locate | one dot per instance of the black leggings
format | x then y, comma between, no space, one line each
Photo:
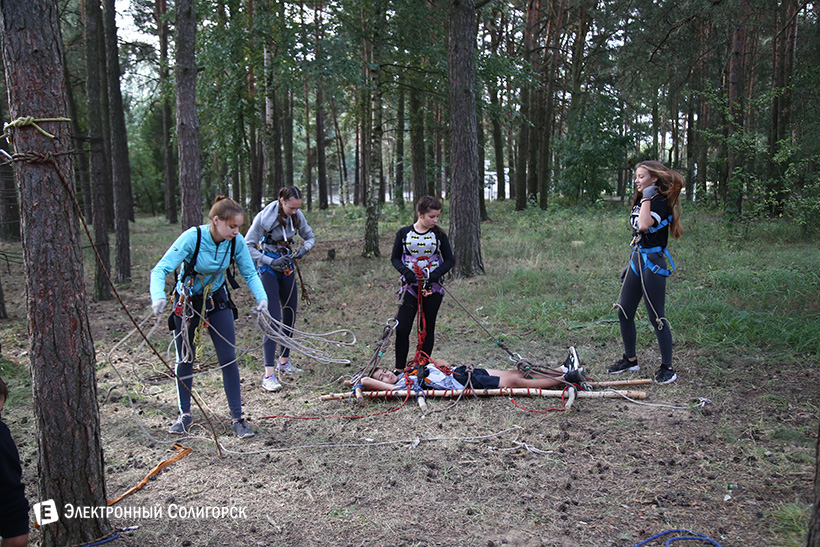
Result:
655,294
407,321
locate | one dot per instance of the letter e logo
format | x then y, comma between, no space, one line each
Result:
46,512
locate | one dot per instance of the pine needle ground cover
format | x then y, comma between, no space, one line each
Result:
728,451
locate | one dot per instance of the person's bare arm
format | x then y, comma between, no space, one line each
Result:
371,384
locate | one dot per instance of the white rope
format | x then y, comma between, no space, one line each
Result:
659,405
303,342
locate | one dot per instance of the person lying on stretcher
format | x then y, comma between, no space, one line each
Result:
438,374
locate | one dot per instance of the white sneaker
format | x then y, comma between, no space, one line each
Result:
571,362
270,383
288,368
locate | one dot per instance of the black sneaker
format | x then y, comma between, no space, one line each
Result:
571,362
665,375
624,365
183,424
241,429
575,376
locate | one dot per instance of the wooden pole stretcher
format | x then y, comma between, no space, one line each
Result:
504,392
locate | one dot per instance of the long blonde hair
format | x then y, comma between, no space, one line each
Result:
670,183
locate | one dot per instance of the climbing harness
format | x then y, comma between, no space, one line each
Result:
284,248
640,254
644,251
187,304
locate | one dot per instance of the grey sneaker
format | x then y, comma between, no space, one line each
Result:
665,375
624,365
270,383
241,429
183,424
571,362
288,368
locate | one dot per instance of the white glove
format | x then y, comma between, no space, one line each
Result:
158,305
262,306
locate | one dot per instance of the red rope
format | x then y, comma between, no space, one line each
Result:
420,358
562,409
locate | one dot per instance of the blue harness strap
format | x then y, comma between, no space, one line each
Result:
645,251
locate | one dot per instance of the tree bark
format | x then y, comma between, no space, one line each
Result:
418,156
736,104
190,171
813,539
398,194
321,155
9,206
465,222
168,170
371,131
120,164
99,179
61,349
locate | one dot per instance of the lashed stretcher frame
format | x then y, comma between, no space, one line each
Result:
570,393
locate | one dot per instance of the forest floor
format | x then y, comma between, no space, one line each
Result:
727,451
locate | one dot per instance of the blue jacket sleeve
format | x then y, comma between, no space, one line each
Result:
247,269
182,249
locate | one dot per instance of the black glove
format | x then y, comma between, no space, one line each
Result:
650,191
279,263
409,277
434,277
301,252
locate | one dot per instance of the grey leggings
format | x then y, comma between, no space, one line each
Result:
654,292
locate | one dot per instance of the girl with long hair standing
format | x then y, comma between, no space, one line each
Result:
270,240
655,214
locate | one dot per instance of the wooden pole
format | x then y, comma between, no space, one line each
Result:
638,382
505,391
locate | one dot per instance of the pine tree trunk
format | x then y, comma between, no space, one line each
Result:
168,179
465,222
321,156
9,207
398,194
190,171
120,165
418,156
97,165
813,539
61,349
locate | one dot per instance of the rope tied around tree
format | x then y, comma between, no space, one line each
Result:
24,121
